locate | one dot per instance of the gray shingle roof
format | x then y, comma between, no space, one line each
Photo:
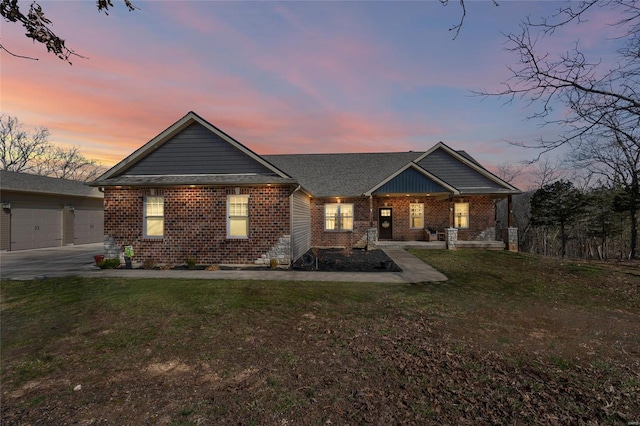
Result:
24,182
351,175
345,175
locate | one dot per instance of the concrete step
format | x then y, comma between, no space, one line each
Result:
485,245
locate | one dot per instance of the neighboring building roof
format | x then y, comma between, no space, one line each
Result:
24,182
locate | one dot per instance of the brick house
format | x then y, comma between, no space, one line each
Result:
195,192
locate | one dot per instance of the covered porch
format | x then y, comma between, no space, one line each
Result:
415,208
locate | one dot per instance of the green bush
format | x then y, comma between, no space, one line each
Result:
112,263
191,262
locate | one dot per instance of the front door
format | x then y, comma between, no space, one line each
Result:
385,223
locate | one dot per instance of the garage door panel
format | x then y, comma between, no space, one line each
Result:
89,226
35,228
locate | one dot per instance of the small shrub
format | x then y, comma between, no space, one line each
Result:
190,262
273,263
112,263
149,264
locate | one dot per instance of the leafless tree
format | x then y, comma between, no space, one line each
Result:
20,148
614,157
546,171
68,163
509,171
31,152
599,99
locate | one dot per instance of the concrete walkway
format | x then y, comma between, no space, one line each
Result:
78,260
414,270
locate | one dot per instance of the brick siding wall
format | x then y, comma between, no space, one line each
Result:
195,223
481,219
436,216
322,238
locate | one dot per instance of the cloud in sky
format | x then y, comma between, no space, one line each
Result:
281,77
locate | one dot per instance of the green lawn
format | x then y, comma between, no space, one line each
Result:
510,338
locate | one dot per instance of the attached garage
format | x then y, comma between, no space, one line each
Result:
39,211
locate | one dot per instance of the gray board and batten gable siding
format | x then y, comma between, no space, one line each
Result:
410,181
197,150
457,174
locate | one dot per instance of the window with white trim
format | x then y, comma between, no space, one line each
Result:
338,217
238,216
461,215
416,215
153,216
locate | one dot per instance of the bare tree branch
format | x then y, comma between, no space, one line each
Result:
16,55
38,26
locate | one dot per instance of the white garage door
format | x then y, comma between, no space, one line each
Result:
89,226
35,228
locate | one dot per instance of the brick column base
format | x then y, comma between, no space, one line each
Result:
111,249
452,238
512,239
372,238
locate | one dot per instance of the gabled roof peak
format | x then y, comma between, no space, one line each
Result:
206,135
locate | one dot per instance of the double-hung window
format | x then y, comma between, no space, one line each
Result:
338,217
154,216
416,215
238,216
461,215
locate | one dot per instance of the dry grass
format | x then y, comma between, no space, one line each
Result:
509,339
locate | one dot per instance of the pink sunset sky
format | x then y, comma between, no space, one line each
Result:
281,77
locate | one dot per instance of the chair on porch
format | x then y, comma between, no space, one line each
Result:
432,234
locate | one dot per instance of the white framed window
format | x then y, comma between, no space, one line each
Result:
153,216
338,217
416,215
461,215
238,216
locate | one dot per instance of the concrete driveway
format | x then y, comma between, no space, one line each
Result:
48,262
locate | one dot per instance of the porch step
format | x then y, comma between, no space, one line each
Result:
486,245
410,244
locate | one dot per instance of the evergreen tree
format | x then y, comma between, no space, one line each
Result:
557,204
